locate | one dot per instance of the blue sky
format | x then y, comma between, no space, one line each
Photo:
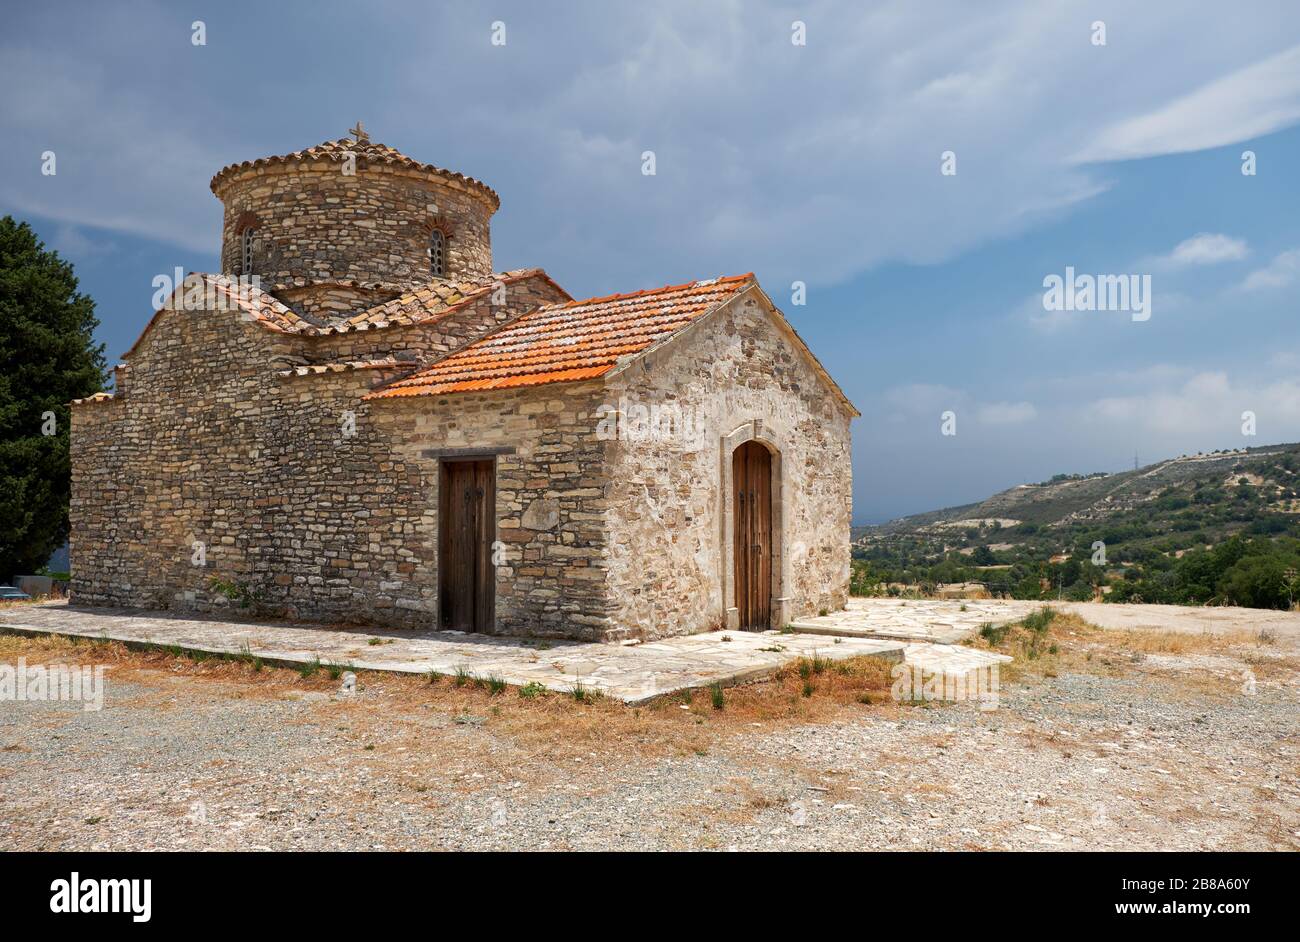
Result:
817,163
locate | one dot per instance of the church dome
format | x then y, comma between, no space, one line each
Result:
351,222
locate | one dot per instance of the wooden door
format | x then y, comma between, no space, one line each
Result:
751,474
466,529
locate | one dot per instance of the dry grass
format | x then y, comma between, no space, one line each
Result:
115,655
1041,651
24,603
549,726
1180,642
1069,642
741,803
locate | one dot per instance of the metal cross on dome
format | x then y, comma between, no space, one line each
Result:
359,132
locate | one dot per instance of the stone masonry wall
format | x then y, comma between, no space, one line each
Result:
666,505
316,226
205,442
550,503
601,537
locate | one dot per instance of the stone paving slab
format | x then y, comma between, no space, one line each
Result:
631,673
939,620
951,659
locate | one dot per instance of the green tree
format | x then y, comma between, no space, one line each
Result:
47,358
1257,582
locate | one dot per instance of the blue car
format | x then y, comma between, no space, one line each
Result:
9,594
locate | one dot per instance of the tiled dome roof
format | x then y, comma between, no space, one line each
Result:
368,153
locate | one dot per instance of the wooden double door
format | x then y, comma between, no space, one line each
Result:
466,531
751,476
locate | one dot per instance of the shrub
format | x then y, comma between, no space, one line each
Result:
1039,621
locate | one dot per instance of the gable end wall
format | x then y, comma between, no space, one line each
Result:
729,375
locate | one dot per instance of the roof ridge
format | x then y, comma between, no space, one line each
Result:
480,287
479,284
244,295
722,279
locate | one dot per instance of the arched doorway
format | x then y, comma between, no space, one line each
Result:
751,476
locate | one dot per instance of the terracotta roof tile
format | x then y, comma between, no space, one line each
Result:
253,303
344,366
431,301
576,340
427,303
367,153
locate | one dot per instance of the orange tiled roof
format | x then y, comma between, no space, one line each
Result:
432,301
426,303
576,340
367,153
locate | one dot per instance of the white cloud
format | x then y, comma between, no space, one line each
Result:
1207,406
923,401
928,401
1006,413
1248,102
1205,248
1280,272
1032,311
1164,301
1094,420
71,241
813,163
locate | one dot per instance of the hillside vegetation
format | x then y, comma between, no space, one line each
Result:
1217,528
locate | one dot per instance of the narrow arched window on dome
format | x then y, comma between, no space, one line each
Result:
437,253
246,251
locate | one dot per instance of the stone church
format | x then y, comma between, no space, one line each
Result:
360,421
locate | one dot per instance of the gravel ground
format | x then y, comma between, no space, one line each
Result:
1118,750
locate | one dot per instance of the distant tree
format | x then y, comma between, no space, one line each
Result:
1257,582
1080,591
47,358
983,556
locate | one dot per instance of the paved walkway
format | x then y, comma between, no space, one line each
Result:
941,621
632,673
951,659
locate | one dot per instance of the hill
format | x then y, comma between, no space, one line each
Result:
1039,540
